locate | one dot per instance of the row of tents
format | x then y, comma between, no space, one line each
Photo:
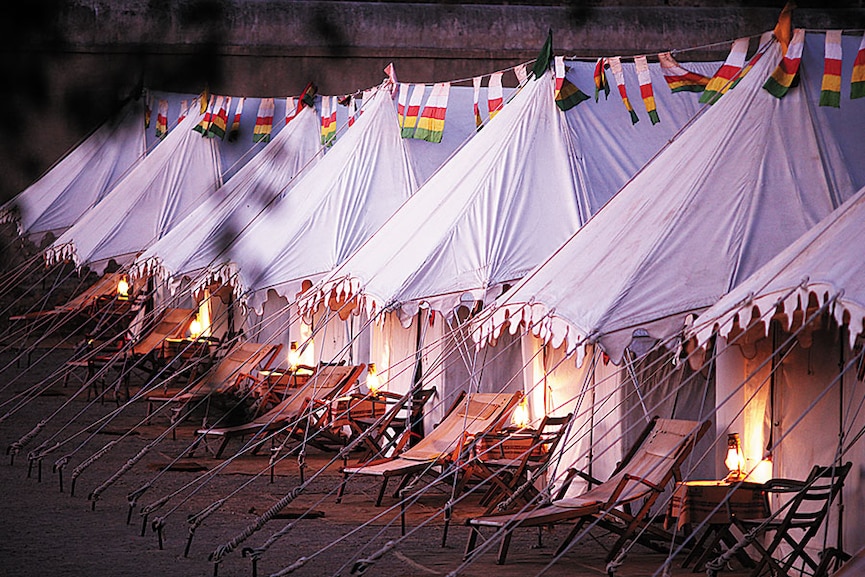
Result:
704,268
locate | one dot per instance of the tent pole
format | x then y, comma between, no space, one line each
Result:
842,340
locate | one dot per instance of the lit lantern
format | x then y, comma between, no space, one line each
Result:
195,328
521,414
735,461
372,380
293,356
123,289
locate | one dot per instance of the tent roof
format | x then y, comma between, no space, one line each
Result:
329,210
202,237
156,194
82,178
744,180
825,262
504,201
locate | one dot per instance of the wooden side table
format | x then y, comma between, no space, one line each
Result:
715,503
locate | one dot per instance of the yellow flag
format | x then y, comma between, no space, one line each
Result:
784,28
203,100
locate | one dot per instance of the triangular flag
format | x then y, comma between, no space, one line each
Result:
567,94
542,62
784,28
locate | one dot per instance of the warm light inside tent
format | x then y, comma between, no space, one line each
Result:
372,380
123,289
195,328
293,356
521,414
762,472
735,461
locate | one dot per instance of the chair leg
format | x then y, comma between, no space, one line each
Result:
472,541
341,491
503,547
381,491
570,537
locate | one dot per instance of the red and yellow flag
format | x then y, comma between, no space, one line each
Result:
412,111
619,78
431,125
785,74
263,121
476,85
328,120
601,79
679,79
219,119
727,73
857,79
641,63
830,89
204,123
234,132
147,112
162,119
567,95
495,95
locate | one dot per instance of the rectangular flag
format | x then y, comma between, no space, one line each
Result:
204,124
600,78
785,74
726,74
352,110
641,63
521,73
830,89
764,39
219,119
494,94
162,119
328,120
619,77
476,84
291,109
234,132
431,125
679,79
567,94
263,121
401,100
857,79
412,111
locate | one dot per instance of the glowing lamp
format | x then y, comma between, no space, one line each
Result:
123,289
195,328
521,414
293,356
372,380
735,461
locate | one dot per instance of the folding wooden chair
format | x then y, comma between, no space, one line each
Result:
806,511
644,472
328,382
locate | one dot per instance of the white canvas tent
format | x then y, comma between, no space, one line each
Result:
146,203
202,237
740,184
796,409
82,178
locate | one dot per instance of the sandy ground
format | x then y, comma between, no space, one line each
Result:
48,532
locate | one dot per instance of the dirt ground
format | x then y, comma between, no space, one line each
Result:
46,531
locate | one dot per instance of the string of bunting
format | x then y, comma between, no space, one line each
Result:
424,119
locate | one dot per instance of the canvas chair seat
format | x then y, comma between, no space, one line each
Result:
645,471
329,382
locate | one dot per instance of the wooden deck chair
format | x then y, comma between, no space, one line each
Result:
644,472
806,509
387,434
510,469
235,370
327,383
470,417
